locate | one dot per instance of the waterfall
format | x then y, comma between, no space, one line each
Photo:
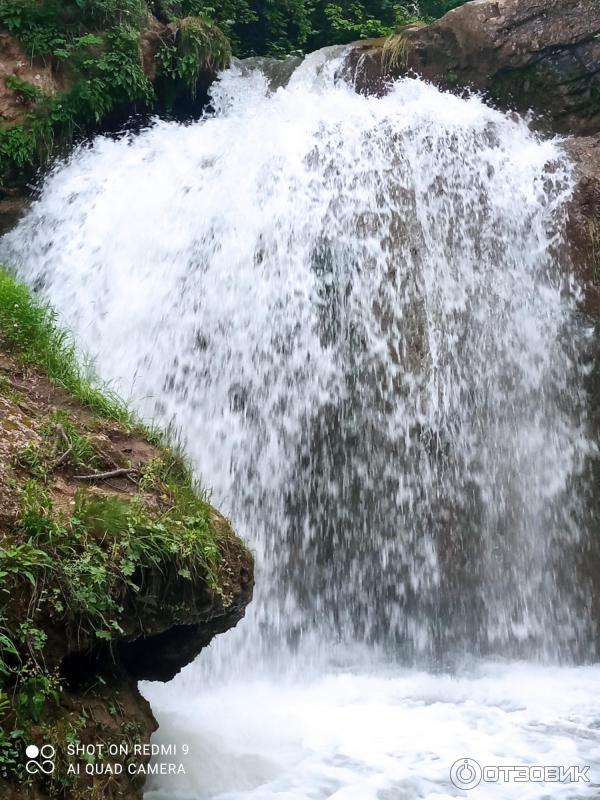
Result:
352,311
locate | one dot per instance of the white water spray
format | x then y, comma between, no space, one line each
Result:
351,308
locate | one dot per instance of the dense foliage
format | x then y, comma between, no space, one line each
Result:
280,27
94,49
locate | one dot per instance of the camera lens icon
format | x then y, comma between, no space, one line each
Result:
41,759
465,773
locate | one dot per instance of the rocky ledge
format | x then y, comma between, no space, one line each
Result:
113,566
540,55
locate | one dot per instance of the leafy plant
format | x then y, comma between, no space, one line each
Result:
201,47
23,560
104,70
17,150
28,92
36,689
12,744
8,652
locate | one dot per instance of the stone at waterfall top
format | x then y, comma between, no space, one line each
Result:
523,54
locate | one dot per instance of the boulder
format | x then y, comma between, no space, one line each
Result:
542,55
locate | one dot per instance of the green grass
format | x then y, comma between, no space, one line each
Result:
166,520
30,328
95,570
89,558
177,528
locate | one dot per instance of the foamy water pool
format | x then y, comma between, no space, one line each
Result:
390,735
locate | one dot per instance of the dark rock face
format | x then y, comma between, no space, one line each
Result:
542,55
13,204
15,63
173,619
583,227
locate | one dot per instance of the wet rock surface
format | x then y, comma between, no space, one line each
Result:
583,228
523,54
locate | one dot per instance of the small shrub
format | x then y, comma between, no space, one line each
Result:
28,92
395,50
201,47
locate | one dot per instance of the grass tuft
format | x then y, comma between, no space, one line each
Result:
395,50
200,47
30,328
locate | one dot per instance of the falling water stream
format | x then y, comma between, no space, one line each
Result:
351,309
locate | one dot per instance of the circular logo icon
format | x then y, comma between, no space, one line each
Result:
465,773
46,753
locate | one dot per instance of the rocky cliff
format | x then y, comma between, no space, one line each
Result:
583,230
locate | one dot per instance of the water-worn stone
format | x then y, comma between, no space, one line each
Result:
542,55
583,227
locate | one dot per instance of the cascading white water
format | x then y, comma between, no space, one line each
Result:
351,309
